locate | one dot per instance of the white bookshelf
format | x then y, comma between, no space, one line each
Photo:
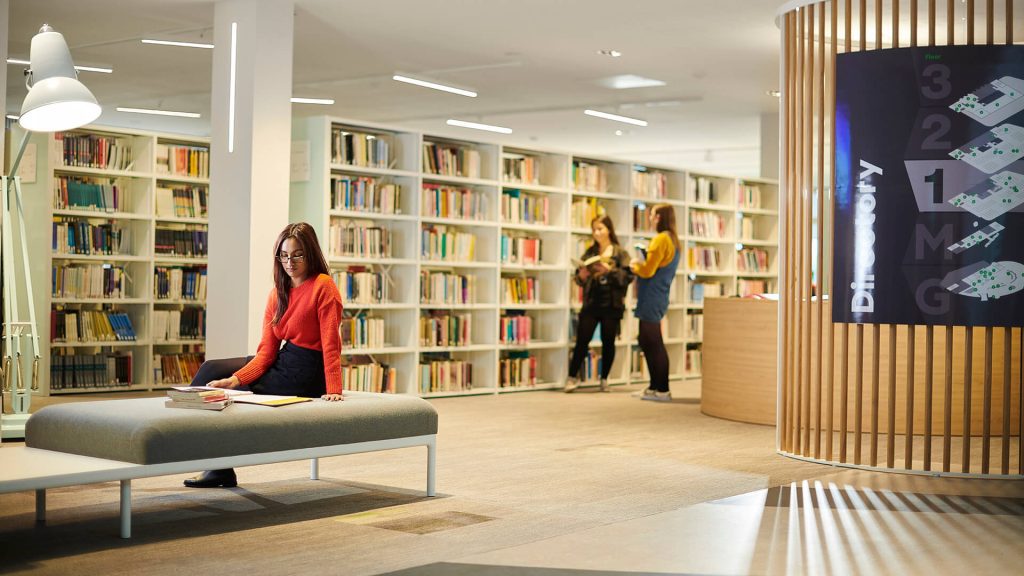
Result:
533,177
152,239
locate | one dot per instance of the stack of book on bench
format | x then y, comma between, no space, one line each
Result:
200,397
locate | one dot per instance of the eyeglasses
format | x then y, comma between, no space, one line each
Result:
284,258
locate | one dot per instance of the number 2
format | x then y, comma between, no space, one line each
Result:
941,126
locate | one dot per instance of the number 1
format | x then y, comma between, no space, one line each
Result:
935,179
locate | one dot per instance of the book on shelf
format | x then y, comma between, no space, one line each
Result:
106,152
183,160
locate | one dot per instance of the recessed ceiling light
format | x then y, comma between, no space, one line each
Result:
478,126
774,93
21,62
612,53
619,132
434,85
327,101
615,117
158,112
175,43
627,81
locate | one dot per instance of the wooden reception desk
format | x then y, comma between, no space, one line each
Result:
740,346
740,356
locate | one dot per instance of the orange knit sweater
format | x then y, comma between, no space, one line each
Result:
311,321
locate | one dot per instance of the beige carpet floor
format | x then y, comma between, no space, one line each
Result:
512,469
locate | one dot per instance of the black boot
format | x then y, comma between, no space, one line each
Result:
213,479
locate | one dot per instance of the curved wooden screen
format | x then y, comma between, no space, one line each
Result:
937,400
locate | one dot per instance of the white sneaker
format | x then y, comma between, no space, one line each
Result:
571,385
604,385
656,396
643,393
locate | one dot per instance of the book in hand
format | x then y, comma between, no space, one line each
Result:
270,399
605,259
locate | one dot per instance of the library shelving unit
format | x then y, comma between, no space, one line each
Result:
453,255
731,229
119,249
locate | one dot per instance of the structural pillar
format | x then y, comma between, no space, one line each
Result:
770,145
250,153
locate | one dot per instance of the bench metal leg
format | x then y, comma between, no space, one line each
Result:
314,469
40,506
126,509
431,461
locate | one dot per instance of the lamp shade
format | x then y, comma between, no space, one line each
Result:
56,100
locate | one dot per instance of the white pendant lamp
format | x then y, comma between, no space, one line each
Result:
56,100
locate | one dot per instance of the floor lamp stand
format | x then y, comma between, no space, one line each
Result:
20,365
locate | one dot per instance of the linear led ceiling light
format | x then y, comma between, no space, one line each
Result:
434,85
175,43
79,68
327,101
478,126
159,112
615,117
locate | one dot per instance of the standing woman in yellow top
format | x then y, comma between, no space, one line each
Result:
655,275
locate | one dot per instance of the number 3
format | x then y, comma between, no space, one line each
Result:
939,75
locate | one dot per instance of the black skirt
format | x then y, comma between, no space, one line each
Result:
297,371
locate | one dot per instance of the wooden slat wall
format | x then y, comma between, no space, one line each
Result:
979,398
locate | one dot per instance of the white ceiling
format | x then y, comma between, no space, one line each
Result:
534,64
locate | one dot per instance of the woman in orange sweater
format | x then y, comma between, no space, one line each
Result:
303,311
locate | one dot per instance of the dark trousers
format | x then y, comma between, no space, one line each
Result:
655,354
610,321
297,371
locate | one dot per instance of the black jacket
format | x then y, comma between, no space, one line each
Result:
606,292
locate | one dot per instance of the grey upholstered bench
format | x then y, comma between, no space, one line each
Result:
89,442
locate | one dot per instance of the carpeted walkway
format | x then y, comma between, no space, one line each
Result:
512,469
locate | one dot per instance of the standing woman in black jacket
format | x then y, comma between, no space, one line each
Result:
604,283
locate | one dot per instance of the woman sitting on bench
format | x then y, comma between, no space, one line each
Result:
303,311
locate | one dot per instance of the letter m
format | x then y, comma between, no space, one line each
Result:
937,242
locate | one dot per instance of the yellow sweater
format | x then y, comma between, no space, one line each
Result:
660,253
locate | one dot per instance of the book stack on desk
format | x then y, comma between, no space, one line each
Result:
198,398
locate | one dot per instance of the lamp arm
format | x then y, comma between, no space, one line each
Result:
21,152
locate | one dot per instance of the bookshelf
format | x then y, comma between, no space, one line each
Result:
475,294
119,249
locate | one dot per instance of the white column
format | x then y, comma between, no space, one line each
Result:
250,152
770,145
4,18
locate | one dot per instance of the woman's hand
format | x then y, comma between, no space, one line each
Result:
583,273
599,269
332,397
232,382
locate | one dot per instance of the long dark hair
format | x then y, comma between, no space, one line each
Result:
667,222
607,221
305,235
